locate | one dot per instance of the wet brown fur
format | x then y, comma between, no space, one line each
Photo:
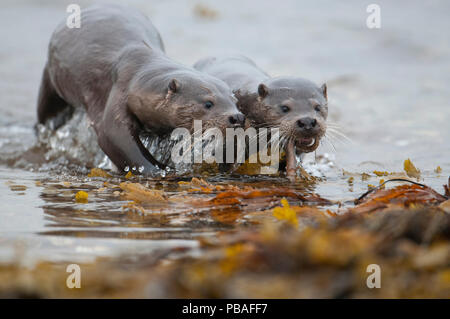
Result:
115,67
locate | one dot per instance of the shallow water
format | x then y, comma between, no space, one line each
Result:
388,91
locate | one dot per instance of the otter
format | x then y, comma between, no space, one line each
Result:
116,68
296,105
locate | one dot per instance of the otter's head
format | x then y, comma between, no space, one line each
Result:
165,104
296,106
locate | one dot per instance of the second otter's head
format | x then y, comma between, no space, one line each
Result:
165,103
298,107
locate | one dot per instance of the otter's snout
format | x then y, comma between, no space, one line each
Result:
236,119
307,126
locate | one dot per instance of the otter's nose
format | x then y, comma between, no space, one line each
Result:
307,123
236,119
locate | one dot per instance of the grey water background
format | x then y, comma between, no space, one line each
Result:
388,87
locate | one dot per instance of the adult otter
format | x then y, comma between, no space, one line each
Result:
115,67
295,105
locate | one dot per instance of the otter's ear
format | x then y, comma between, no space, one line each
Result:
174,86
323,88
263,90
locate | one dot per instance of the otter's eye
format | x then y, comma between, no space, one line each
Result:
285,108
317,108
209,104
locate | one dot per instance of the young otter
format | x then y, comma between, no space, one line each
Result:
115,67
295,105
